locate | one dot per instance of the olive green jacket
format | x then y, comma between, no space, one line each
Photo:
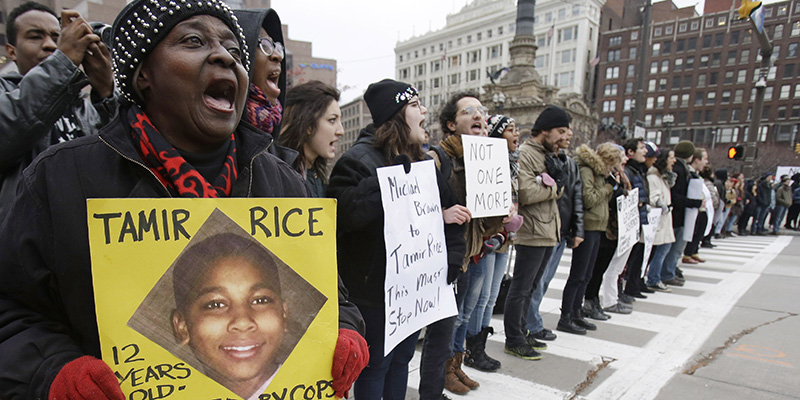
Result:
538,205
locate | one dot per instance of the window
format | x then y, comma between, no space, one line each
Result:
767,12
734,37
689,62
726,97
455,61
548,17
704,61
782,10
609,106
628,87
687,81
695,25
631,70
788,71
742,76
696,116
542,60
682,27
576,9
715,58
712,78
454,78
404,73
701,80
458,41
709,116
738,95
726,135
719,39
568,34
420,85
474,57
681,46
489,33
678,64
662,84
660,102
634,35
666,47
699,97
668,30
656,49
707,41
562,13
610,90
744,57
728,77
495,51
796,27
419,70
664,66
650,103
676,82
731,58
710,23
566,79
778,34
711,98
614,40
632,53
567,56
615,55
627,105
648,120
685,100
791,50
785,89
736,115
436,82
673,100
473,75
499,30
416,53
691,44
436,66
651,85
654,67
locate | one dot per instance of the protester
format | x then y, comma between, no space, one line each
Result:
697,166
661,179
783,202
542,178
734,190
493,262
636,170
311,126
684,151
722,184
463,114
763,203
183,100
43,104
749,207
570,211
394,137
715,202
794,210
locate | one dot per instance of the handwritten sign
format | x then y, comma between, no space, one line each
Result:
649,233
416,290
784,170
695,192
488,176
628,221
178,281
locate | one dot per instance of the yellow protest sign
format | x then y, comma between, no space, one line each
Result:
216,298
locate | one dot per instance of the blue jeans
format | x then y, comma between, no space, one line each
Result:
721,221
385,377
780,213
673,256
534,320
476,274
732,218
656,263
482,314
760,218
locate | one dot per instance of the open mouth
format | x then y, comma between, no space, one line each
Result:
477,128
220,95
272,80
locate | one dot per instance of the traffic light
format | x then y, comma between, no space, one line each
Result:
736,152
747,8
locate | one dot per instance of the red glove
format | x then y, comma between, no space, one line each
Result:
349,358
86,378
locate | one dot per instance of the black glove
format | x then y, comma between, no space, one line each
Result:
556,169
404,160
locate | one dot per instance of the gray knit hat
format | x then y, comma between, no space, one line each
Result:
142,24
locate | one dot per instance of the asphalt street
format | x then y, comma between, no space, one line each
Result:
730,333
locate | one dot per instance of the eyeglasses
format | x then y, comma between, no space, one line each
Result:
471,110
268,47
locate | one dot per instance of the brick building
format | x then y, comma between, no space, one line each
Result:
699,83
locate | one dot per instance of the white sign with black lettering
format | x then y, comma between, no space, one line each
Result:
649,234
416,292
628,221
488,176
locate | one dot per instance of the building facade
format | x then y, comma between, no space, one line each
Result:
355,116
302,66
475,43
700,77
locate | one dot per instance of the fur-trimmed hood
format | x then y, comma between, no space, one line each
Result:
585,156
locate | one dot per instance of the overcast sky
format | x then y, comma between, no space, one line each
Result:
361,34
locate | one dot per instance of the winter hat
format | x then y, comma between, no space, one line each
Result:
251,22
498,124
784,178
386,98
721,174
652,150
551,117
684,149
142,24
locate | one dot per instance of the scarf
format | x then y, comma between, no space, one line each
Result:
513,161
260,112
171,168
453,146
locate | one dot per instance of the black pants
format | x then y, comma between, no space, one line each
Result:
699,232
791,219
435,352
583,260
604,256
528,269
744,219
634,270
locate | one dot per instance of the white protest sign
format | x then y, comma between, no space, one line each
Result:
416,292
649,234
628,221
694,192
784,170
488,176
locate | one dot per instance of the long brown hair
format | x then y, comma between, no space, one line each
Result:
305,105
393,138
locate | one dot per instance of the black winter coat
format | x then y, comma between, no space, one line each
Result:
47,310
679,201
570,205
360,237
764,194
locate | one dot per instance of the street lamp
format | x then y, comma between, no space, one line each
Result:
667,121
499,100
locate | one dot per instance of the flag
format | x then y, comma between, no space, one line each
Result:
550,31
595,61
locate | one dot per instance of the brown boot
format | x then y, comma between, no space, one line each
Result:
451,381
463,376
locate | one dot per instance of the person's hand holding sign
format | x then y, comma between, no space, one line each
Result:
85,378
456,214
349,358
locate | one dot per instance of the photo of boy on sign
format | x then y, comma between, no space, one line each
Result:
229,308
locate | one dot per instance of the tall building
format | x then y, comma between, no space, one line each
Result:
355,116
302,66
700,77
475,42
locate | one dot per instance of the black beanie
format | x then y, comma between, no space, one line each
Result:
497,125
386,98
142,24
551,117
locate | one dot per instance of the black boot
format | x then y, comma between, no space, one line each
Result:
567,324
577,318
485,333
591,309
476,355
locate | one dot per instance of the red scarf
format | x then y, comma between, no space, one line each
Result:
260,112
171,168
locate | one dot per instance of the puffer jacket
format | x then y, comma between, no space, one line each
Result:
660,196
31,105
47,309
570,205
597,191
637,175
538,205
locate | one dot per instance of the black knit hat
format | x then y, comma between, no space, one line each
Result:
497,124
684,149
142,24
551,117
386,98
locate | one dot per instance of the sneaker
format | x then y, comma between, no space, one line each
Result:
619,308
660,287
544,334
626,298
524,352
647,289
535,344
672,282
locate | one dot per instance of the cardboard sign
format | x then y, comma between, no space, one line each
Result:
649,234
216,298
628,221
416,290
488,176
694,192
